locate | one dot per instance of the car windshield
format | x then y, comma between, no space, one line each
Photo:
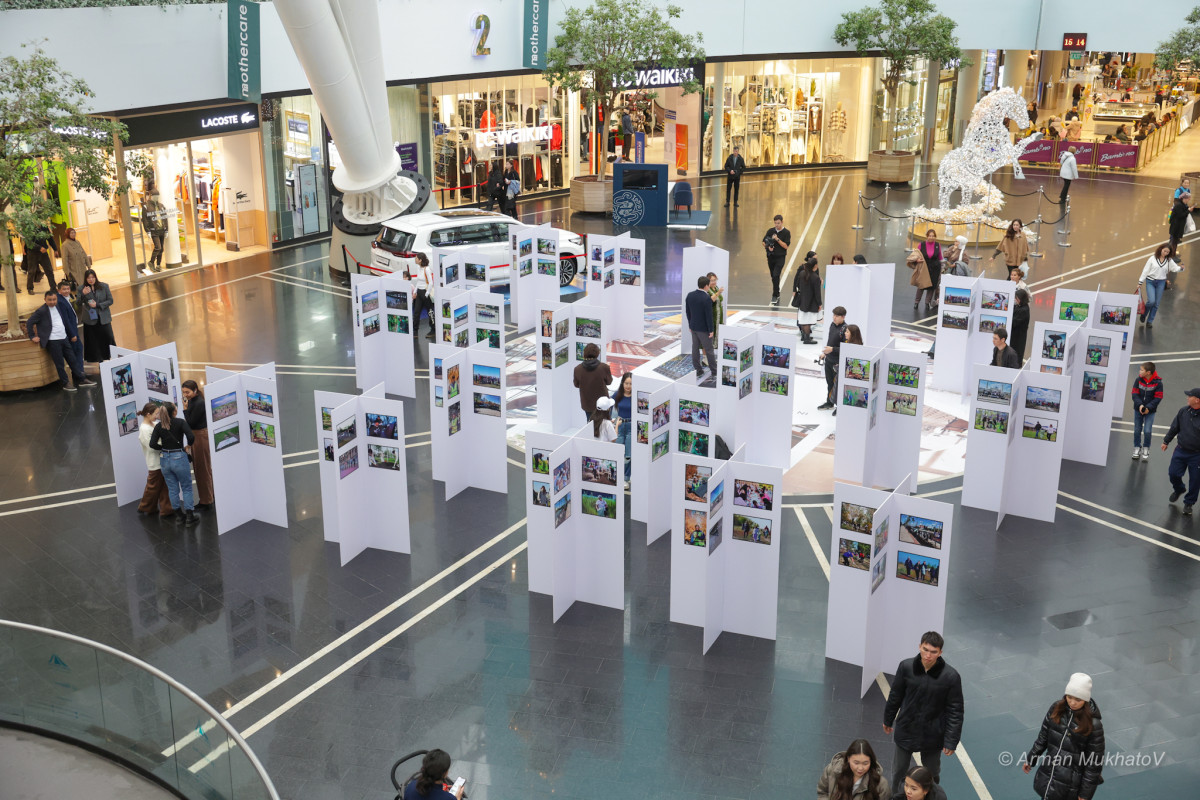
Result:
478,233
396,239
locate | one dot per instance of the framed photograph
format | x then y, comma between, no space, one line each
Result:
953,296
751,529
695,482
746,359
451,274
955,321
661,416
901,375
991,421
396,301
485,376
347,431
587,327
547,324
380,456
1040,428
122,381
547,356
856,518
631,277
562,330
487,313
694,443
997,392
752,494
223,406
610,257
597,253
525,268
541,461
562,476
660,446
157,381
1054,345
777,357
717,498
599,470
856,555
560,356
631,256
729,351
900,403
643,432
693,413
347,462
452,382
596,273
714,536
1097,351
855,396
1093,386
562,509
1073,312
371,325
599,504
541,494
877,573
439,396
546,266
487,405
454,415
1115,315
328,448
1049,370
994,301
460,316
262,433
370,301
475,272
643,402
881,535
695,527
525,247
745,386
922,531
858,369
397,323
261,404
326,418
127,421
446,309
437,369
729,376
919,569
773,383
228,437
609,279
989,322
1039,398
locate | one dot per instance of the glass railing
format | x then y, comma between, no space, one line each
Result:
78,689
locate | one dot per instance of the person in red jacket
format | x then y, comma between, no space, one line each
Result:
1147,394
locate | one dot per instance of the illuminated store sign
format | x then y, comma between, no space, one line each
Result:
540,133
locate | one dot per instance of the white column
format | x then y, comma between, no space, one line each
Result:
968,92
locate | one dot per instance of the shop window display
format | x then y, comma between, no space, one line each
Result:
909,111
295,164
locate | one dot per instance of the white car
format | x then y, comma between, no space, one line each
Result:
401,238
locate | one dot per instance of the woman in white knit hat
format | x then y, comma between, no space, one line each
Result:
1069,751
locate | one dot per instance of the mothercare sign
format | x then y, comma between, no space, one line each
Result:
244,63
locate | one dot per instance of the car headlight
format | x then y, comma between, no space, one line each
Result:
575,239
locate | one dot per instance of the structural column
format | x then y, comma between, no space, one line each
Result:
1015,73
933,73
968,93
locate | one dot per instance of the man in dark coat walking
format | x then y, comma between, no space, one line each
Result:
1177,222
1002,354
925,706
698,309
1186,457
735,165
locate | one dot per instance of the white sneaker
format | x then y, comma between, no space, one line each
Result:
1145,454
1137,453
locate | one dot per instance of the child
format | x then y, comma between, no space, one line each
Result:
1147,394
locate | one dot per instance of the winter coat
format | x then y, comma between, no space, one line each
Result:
1016,250
933,262
806,291
920,277
1018,334
1178,219
1071,766
592,378
828,780
74,260
925,707
1068,169
104,299
1148,393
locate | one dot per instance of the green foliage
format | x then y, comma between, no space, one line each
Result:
1184,45
600,49
901,31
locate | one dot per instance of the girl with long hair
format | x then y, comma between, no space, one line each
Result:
1014,246
919,785
1069,750
196,416
432,781
853,774
853,334
602,424
623,411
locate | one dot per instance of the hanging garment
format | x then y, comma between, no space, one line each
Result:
737,123
783,119
837,119
814,117
782,149
814,149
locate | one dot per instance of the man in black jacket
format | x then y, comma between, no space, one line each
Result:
1002,354
37,257
776,242
735,165
1186,457
832,353
699,308
926,707
55,332
1177,222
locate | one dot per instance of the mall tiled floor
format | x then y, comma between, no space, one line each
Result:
605,703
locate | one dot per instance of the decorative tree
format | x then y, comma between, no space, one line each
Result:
1184,45
901,31
43,120
601,48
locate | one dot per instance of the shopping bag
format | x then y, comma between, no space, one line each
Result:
1141,305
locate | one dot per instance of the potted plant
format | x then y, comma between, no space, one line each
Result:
44,122
598,52
901,31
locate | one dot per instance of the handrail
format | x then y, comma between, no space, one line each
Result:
174,684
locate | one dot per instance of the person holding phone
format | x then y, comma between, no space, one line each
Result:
432,781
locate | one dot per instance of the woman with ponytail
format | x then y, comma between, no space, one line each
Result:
853,774
432,781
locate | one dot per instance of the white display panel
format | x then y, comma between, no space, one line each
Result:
563,331
468,417
575,509
245,439
993,391
756,387
865,291
725,539
128,381
360,445
466,317
383,333
1117,313
698,260
958,311
1093,371
534,275
994,301
616,280
645,385
888,560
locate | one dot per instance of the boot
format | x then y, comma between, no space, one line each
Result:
190,518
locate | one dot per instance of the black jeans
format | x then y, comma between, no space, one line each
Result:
62,352
31,262
902,759
422,300
831,376
736,185
1062,198
157,238
775,265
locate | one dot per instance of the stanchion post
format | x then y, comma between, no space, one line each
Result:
887,187
1066,231
912,227
978,230
1037,238
870,222
1041,193
857,210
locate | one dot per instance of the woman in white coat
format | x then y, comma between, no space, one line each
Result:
1068,170
1155,274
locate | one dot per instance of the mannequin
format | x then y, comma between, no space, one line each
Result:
154,223
837,130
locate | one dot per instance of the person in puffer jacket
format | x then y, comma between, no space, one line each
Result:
1069,751
1147,394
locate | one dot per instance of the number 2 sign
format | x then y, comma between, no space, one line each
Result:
482,25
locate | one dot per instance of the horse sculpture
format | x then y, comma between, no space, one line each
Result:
986,147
